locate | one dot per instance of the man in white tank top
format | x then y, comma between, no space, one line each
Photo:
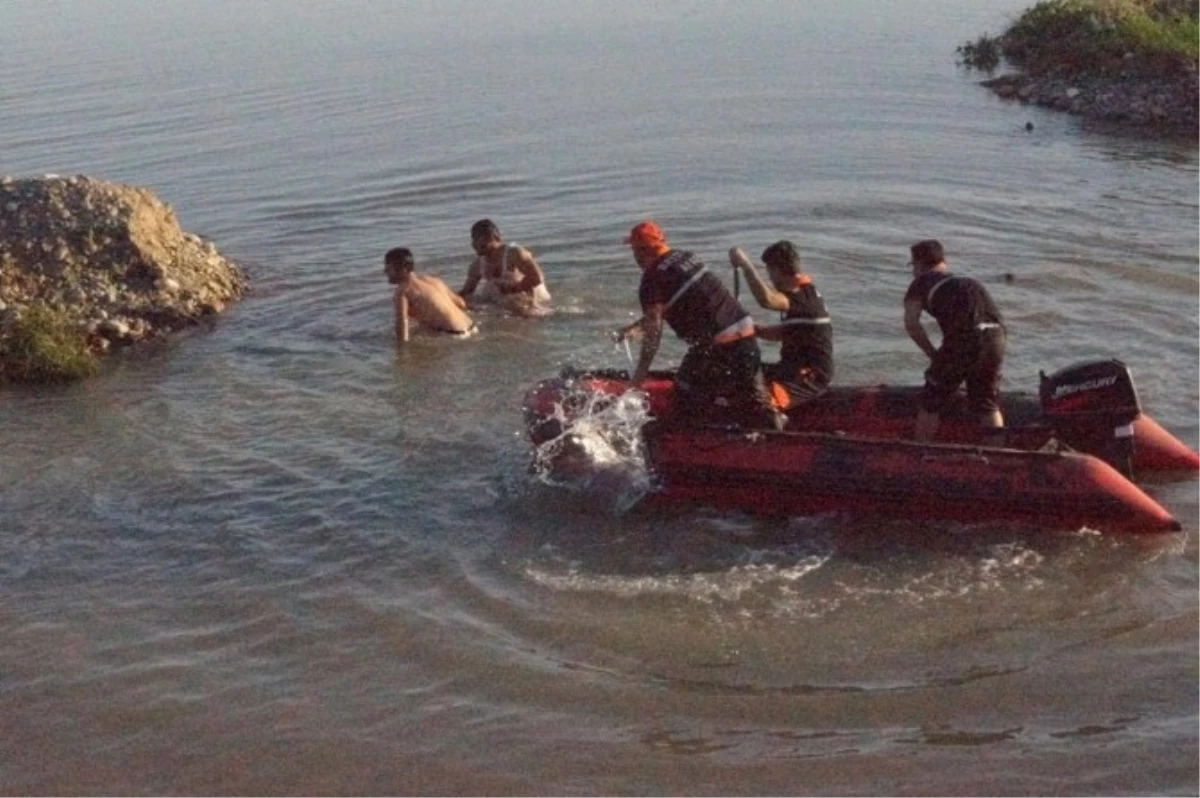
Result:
508,273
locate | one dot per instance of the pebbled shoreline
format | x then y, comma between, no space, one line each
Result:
1164,104
1129,62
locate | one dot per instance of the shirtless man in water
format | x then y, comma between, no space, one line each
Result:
509,274
424,298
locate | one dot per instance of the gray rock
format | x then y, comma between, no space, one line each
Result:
113,256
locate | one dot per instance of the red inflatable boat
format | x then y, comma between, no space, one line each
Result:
1068,460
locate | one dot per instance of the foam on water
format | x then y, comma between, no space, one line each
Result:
726,586
600,451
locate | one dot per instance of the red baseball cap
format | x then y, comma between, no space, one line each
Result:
648,235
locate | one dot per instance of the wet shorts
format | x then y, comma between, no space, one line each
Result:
467,333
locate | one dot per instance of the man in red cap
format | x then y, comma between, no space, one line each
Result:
723,362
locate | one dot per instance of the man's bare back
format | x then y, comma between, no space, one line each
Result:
423,298
434,305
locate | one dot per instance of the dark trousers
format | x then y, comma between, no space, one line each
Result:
977,361
723,384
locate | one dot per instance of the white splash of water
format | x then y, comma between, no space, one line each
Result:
600,451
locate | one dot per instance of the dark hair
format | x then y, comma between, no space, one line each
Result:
400,259
484,227
927,253
783,255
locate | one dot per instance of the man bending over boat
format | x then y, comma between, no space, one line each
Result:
723,363
973,342
805,331
424,298
510,275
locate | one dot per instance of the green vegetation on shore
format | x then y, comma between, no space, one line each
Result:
1097,37
42,346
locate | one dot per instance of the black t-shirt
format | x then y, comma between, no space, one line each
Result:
808,333
698,304
960,304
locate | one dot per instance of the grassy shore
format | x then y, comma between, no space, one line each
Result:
1132,61
1095,37
41,346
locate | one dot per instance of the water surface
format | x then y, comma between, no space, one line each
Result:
283,555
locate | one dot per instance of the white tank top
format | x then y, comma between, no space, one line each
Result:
541,294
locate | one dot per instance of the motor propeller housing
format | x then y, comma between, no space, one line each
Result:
1091,407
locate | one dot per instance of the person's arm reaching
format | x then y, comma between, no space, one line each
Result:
765,295
773,332
633,330
456,299
474,274
651,325
531,274
912,325
401,318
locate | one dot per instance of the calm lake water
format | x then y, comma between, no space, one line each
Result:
283,555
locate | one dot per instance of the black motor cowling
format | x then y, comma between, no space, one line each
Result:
1092,407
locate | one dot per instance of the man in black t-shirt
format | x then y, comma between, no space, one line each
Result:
805,330
973,341
722,367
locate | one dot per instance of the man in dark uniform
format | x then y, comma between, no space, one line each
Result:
723,363
973,342
805,331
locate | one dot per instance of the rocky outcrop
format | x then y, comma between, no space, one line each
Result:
1166,102
1131,62
110,258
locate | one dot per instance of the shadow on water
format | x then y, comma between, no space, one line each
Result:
1121,142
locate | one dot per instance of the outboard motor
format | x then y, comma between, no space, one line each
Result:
1092,407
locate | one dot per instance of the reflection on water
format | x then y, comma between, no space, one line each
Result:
1119,143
